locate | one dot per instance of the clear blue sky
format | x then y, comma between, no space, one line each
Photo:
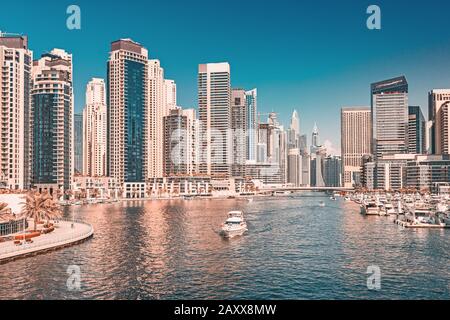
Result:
315,56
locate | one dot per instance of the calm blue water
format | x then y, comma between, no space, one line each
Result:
294,250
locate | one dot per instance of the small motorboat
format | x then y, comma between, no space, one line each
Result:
235,225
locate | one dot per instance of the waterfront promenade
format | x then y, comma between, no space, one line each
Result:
64,235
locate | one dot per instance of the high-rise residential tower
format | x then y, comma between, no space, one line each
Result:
438,99
78,143
175,159
52,122
239,130
162,98
214,100
128,115
15,107
443,130
170,89
251,103
356,141
95,129
416,131
390,117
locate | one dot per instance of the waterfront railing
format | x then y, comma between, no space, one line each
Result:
70,237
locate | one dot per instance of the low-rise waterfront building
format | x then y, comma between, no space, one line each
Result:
179,186
428,173
96,187
11,220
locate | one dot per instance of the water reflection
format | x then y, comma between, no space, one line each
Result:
294,249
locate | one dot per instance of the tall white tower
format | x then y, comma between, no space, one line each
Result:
214,101
15,79
95,129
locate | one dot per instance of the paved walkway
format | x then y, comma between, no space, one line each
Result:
63,235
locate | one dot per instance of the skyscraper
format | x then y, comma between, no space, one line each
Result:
294,167
333,171
15,79
294,163
443,130
294,131
416,131
52,121
192,141
437,99
128,114
170,89
390,116
239,129
315,141
251,101
175,159
162,98
95,129
78,143
318,154
214,100
356,141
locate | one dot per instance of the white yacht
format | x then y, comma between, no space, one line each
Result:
389,209
370,208
235,225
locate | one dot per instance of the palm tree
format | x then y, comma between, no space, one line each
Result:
69,193
53,210
149,191
58,194
83,194
40,206
94,193
4,210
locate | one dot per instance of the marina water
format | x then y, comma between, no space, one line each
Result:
294,249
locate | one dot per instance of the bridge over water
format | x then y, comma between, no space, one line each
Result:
305,189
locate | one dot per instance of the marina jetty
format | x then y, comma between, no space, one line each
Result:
410,210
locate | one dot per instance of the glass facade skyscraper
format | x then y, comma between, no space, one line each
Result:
416,131
52,122
127,94
135,105
389,116
78,143
251,102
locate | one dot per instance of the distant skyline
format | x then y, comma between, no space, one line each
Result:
312,56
